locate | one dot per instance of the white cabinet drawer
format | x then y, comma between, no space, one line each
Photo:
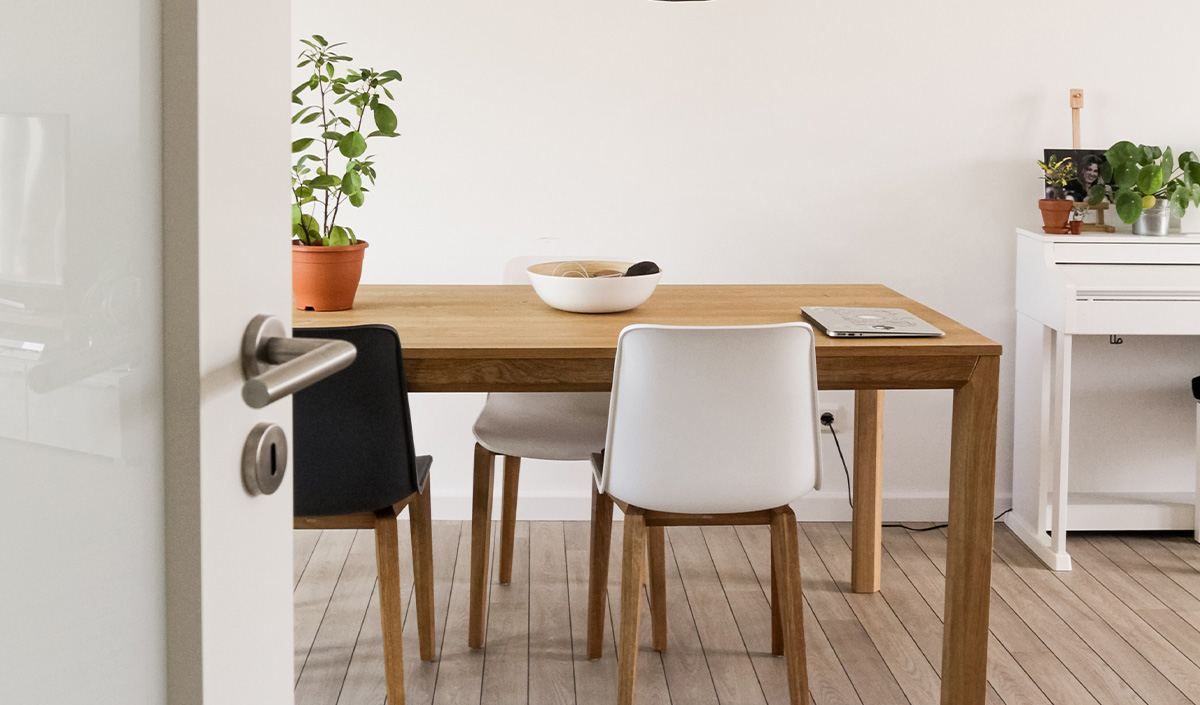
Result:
1134,317
1156,251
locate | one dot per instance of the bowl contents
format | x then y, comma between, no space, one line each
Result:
641,269
583,271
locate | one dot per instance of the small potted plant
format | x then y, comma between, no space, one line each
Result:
1150,185
1075,222
1056,207
330,171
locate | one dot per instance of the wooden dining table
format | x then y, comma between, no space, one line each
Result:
476,338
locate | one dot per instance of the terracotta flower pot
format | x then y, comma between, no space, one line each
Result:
1055,214
326,278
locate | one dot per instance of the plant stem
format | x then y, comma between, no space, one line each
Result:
361,116
325,142
303,240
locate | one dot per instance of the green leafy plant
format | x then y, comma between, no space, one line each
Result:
336,134
1059,173
1142,175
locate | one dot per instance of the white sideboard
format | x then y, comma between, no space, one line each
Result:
1092,284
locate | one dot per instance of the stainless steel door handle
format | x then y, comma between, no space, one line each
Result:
275,366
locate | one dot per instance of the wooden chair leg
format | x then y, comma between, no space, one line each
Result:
481,539
776,620
656,546
633,564
602,514
391,607
786,554
798,661
508,516
421,521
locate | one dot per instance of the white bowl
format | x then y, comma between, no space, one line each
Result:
563,286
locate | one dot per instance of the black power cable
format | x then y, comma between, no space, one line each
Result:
827,420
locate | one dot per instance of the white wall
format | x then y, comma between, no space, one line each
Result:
747,141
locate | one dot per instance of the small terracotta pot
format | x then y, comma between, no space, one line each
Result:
326,278
1055,214
1075,226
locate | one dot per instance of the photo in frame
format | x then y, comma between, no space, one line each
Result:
1089,170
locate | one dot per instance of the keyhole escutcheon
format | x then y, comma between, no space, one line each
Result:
264,459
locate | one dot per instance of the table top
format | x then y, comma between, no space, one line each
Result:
438,321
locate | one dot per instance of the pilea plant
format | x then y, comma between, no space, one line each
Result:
1142,175
320,195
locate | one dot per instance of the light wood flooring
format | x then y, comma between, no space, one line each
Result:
1121,629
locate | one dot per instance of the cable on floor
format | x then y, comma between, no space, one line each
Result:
827,421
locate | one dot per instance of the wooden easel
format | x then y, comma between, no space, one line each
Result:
1076,143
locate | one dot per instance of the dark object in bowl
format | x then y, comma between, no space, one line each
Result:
641,268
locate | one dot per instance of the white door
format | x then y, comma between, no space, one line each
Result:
143,223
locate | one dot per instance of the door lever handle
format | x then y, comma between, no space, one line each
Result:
275,366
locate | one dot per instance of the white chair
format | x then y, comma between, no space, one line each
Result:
543,426
707,425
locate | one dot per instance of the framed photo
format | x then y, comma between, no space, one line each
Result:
1088,171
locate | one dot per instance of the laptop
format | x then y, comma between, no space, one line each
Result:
854,322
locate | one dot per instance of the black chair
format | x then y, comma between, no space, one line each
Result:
355,468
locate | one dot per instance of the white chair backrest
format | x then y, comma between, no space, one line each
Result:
713,419
514,269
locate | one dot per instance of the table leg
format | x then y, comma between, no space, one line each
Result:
866,536
969,546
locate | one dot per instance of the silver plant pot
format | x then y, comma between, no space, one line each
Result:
1155,220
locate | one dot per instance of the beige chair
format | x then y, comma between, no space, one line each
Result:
543,426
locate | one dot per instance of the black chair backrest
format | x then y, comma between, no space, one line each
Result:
352,431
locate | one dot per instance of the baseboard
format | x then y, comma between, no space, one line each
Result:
897,507
818,506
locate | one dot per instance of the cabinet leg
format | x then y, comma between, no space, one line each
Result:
1045,431
1062,441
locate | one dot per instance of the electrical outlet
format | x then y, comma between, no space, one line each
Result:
841,417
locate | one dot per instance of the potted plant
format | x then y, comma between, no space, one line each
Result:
1150,185
330,170
1057,208
1075,221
